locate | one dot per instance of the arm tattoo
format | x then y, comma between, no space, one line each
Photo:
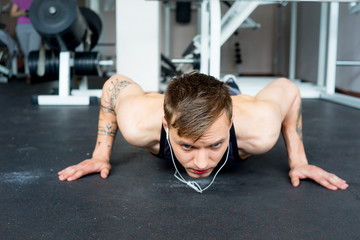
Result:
107,108
109,129
299,123
114,90
109,105
109,146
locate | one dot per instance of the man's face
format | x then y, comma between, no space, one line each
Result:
201,157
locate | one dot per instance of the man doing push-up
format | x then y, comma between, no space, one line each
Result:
198,125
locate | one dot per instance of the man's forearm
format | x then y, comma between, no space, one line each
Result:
107,129
105,139
293,136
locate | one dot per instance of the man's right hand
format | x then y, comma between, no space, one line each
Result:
85,167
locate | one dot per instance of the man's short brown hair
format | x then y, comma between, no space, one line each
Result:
193,102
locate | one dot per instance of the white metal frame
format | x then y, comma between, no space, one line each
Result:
332,62
205,33
332,48
293,36
235,16
322,44
213,35
215,31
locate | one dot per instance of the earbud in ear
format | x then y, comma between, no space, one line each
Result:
167,133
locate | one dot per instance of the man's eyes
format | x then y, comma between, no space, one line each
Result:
186,147
216,145
189,147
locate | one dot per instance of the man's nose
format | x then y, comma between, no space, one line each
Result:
201,159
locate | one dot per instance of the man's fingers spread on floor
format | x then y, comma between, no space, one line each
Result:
104,173
295,182
61,177
76,175
328,184
64,174
338,182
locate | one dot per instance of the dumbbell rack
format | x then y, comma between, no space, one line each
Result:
65,96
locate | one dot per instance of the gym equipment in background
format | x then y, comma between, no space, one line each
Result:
8,52
203,53
64,27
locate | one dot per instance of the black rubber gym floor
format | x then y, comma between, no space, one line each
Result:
142,200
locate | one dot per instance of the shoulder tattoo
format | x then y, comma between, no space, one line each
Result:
115,88
109,104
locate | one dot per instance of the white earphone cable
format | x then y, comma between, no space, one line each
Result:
194,185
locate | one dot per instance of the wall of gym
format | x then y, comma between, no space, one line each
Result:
347,78
264,51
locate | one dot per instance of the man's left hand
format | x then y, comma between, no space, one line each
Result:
326,179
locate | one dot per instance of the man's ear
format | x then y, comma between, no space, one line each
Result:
164,122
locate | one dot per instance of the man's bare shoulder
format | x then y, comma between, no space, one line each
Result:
149,103
138,113
142,118
248,105
257,124
242,98
252,111
128,96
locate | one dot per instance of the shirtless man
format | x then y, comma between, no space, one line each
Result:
201,126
